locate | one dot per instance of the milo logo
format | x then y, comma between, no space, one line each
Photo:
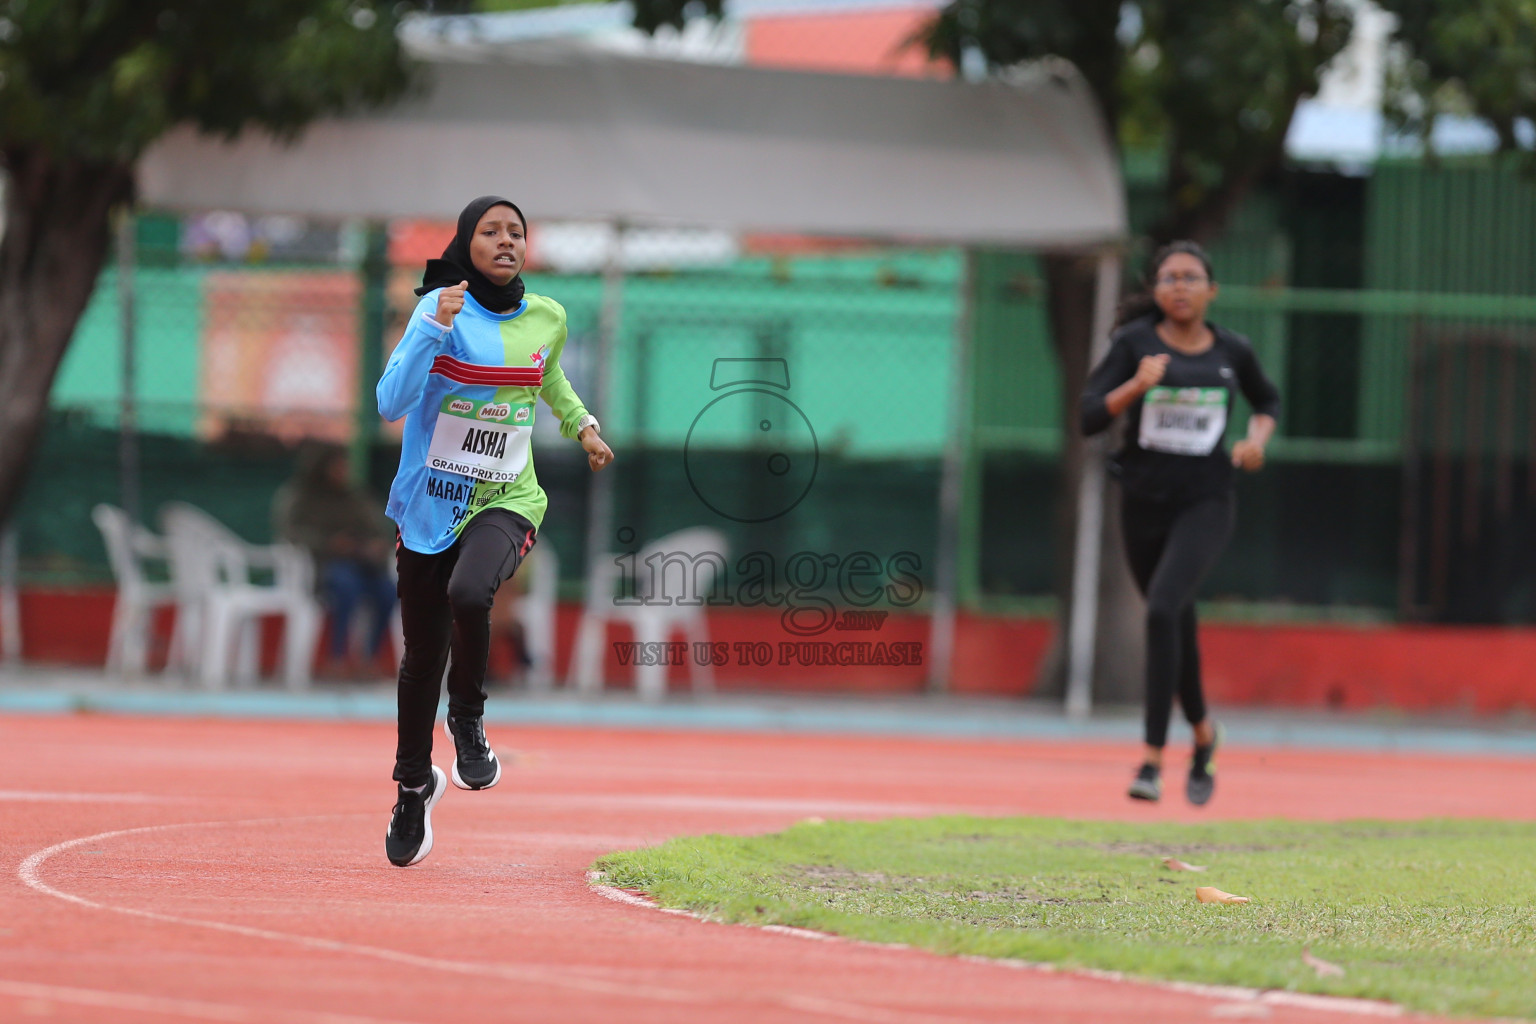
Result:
494,412
461,405
522,415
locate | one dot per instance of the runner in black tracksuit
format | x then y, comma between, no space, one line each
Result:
1174,376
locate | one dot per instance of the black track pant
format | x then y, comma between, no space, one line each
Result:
1171,547
445,603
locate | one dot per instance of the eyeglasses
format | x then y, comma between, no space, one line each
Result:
1169,280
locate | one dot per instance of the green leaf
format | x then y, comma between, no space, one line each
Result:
101,80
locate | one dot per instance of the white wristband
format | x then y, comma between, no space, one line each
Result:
587,421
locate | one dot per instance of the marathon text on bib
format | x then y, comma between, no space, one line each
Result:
1183,421
485,440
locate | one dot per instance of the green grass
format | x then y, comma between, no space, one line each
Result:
1437,915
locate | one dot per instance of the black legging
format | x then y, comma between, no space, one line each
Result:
445,603
1171,546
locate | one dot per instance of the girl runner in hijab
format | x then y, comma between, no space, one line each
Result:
1173,375
476,357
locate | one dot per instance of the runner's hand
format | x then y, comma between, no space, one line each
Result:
1150,371
598,453
1248,455
449,302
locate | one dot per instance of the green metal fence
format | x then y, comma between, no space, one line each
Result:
238,362
1401,483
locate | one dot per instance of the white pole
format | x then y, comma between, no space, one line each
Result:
10,603
127,427
600,490
941,636
1090,515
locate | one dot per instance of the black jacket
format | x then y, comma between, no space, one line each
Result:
1173,448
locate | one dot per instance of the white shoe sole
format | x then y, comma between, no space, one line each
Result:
439,787
457,779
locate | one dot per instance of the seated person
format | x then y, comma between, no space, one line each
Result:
344,529
507,629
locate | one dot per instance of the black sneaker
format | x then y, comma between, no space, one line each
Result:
1148,784
1202,772
474,765
409,838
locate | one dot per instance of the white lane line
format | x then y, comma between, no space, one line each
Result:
802,933
29,873
635,899
1235,993
575,979
1232,993
162,1006
34,796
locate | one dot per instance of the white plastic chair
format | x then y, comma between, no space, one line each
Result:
534,610
360,628
211,571
655,611
129,546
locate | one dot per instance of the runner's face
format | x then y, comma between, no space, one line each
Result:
500,244
1182,289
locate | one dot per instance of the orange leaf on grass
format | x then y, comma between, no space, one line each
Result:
1174,864
1211,894
1323,968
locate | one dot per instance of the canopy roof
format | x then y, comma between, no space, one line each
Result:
576,134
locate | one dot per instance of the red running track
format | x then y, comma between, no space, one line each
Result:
165,870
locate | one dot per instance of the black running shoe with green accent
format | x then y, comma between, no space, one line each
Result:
409,838
474,764
1148,784
1202,772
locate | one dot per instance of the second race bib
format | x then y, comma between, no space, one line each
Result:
1183,421
485,440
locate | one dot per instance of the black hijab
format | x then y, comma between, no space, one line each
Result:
456,266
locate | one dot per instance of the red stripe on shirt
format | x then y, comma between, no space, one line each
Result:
461,372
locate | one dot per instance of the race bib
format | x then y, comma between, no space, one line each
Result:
485,440
1183,421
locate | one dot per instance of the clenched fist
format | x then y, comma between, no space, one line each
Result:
449,302
1249,455
1150,371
